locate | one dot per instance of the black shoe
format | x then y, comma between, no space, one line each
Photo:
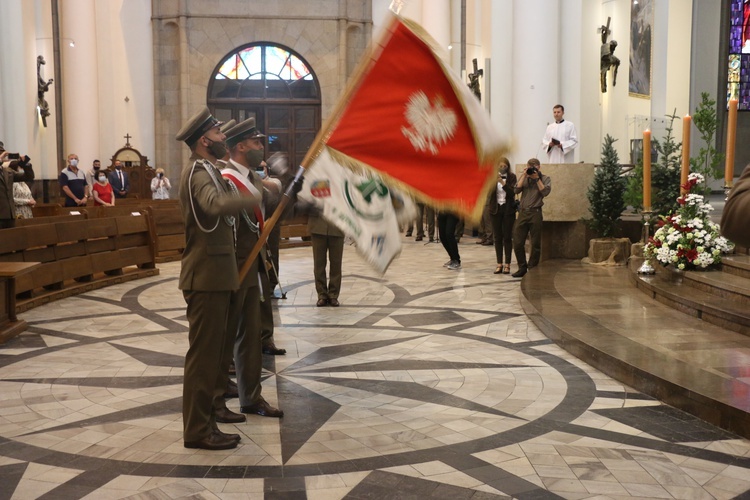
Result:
213,441
432,240
334,302
408,234
263,409
418,238
232,391
488,243
322,302
520,273
272,350
227,416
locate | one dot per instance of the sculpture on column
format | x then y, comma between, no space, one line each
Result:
608,59
474,80
42,87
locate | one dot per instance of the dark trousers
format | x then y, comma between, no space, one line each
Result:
487,227
274,240
207,314
266,308
423,211
529,222
447,223
333,246
502,229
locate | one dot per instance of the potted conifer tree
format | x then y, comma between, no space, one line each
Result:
606,197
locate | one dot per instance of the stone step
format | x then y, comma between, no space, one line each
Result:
710,306
729,287
737,264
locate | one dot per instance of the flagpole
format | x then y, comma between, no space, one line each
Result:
317,146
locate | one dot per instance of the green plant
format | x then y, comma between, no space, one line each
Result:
665,175
709,160
606,193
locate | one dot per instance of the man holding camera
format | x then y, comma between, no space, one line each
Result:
534,187
560,138
14,168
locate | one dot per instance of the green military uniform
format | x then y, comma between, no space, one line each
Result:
326,238
244,322
207,278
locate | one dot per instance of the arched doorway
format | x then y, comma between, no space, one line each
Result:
276,86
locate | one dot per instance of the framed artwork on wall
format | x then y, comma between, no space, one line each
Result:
641,42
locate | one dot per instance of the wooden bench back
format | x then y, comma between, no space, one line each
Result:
77,251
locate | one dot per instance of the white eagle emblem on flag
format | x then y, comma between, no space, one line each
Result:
432,124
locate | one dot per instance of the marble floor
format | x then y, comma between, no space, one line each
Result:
425,383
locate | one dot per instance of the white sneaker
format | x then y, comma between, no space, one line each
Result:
455,265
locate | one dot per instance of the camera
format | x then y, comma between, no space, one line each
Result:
161,175
531,171
14,156
503,176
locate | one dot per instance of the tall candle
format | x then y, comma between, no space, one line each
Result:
685,152
731,138
646,170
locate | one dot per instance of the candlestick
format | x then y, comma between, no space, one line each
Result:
731,138
685,153
646,170
646,267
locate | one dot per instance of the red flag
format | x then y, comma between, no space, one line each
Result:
413,120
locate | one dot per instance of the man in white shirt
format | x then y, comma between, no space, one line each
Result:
560,138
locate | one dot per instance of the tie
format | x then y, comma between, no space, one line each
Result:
122,184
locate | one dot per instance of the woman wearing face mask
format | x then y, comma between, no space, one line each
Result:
160,185
102,189
503,213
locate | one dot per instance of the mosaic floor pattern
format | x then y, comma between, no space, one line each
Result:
425,383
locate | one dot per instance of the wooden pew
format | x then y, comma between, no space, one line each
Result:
78,256
169,232
51,219
10,325
295,227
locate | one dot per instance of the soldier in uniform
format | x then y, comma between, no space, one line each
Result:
208,277
246,317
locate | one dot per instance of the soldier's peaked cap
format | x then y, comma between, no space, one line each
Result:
231,123
197,126
243,130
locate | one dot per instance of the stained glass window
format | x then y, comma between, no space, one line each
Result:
738,67
264,71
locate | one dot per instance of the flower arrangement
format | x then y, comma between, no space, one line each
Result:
687,238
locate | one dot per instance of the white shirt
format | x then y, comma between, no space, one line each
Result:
160,192
565,132
500,194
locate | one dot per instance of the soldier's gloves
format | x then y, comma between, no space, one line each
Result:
297,185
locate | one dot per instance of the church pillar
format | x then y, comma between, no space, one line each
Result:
80,80
500,76
18,81
436,19
536,72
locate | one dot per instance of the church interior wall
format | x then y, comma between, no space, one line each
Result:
161,55
212,30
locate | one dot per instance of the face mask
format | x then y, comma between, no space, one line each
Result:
217,149
102,178
254,157
73,162
118,167
96,168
